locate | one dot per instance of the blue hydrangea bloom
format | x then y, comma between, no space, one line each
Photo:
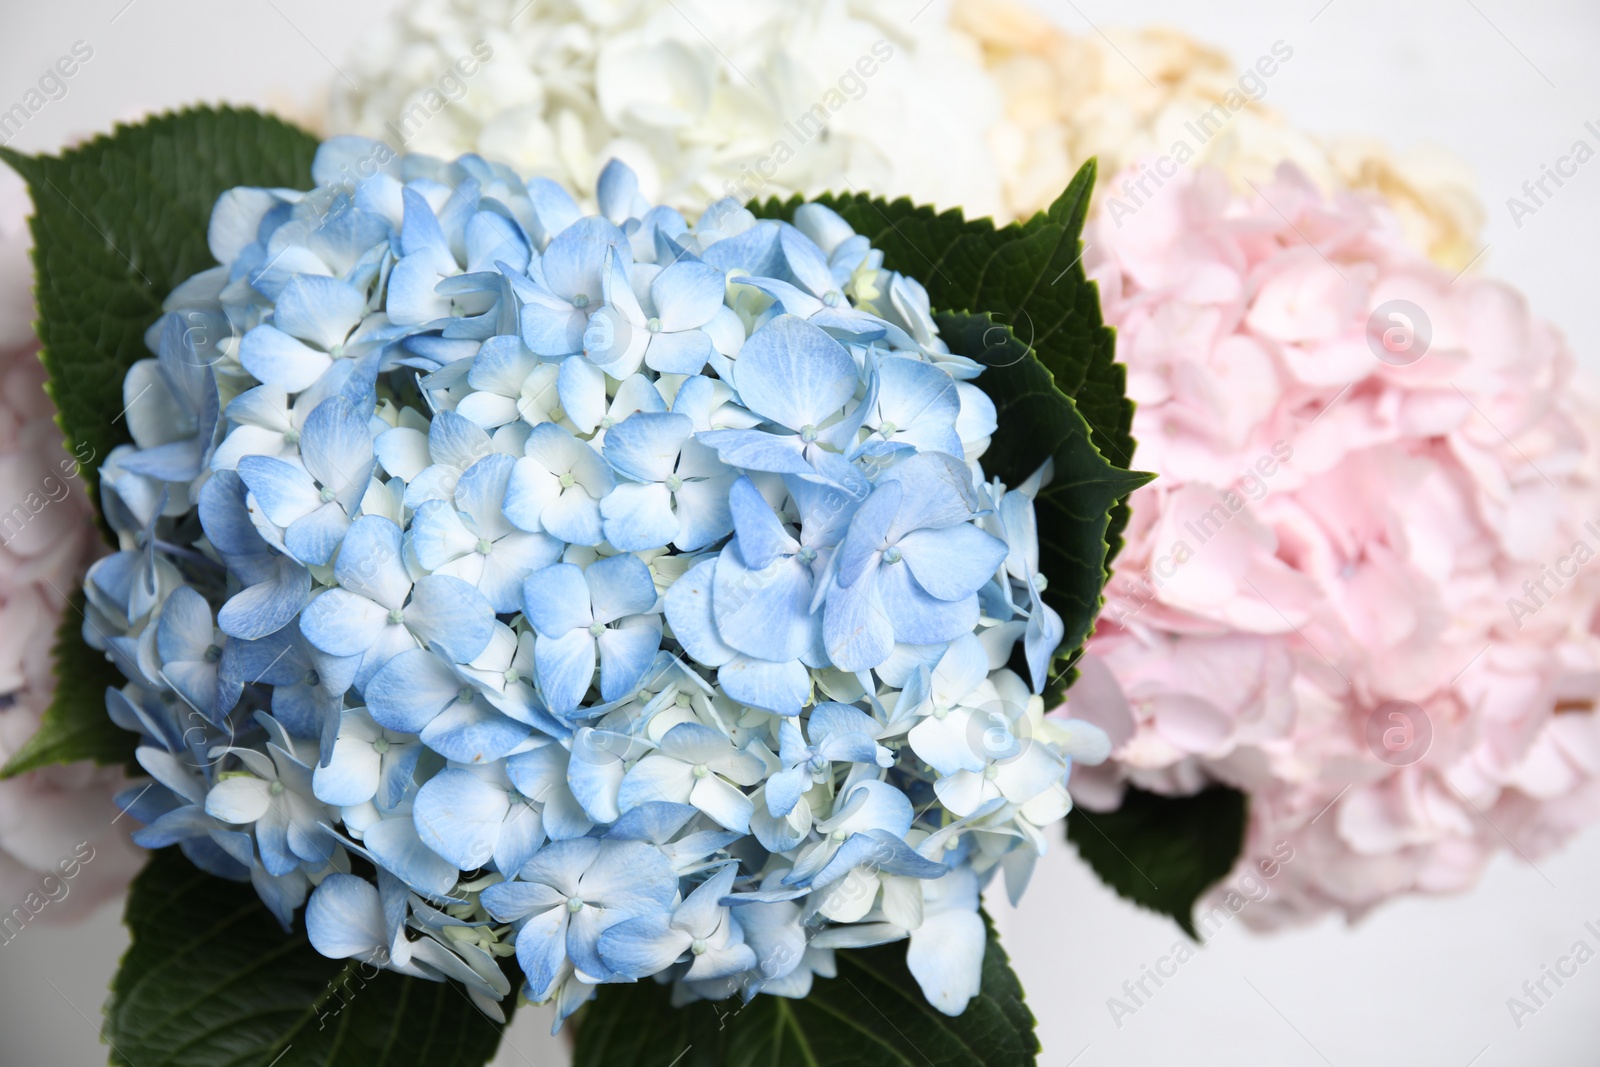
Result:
626,593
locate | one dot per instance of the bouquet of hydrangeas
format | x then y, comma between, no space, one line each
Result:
620,604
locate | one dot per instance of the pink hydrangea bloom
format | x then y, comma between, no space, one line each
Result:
47,538
1363,590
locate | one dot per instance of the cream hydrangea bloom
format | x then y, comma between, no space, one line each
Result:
1070,97
703,100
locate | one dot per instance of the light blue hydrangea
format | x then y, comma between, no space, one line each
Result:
619,592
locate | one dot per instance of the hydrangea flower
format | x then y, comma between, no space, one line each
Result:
626,591
1438,470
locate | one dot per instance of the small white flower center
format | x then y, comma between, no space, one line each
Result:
568,481
698,946
992,771
839,835
396,617
953,843
581,300
832,298
574,905
940,711
607,422
888,429
381,745
674,483
701,770
327,494
683,700
276,789
654,325
337,351
465,694
596,629
893,555
291,437
808,433
511,676
485,546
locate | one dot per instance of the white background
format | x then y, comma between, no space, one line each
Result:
1507,86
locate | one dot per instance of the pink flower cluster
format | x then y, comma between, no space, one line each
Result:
61,853
1364,587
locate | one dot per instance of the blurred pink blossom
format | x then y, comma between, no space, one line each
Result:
47,538
1362,589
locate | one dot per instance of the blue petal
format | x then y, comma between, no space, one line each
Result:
556,600
336,447
626,653
275,358
575,259
638,517
370,562
791,372
553,209
686,295
764,613
395,845
451,616
342,623
785,788
643,946
283,491
856,629
755,450
553,331
762,538
313,538
320,310
565,667
918,618
952,563
409,691
755,251
806,263
459,816
781,688
472,732
881,852
689,611
620,586
645,445
616,191
267,607
344,918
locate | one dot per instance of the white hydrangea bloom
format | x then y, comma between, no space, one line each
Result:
704,100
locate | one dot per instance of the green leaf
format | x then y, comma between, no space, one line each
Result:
1160,852
1037,421
117,224
211,979
75,726
1028,275
872,1015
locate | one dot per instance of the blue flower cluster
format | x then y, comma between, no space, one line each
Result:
618,592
